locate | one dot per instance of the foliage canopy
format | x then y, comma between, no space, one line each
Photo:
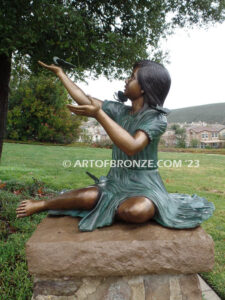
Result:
102,36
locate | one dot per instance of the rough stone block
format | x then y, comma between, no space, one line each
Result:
58,249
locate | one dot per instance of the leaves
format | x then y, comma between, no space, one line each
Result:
37,111
2,185
94,34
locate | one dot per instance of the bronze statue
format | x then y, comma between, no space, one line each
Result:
135,193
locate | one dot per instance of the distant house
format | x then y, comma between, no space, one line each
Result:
211,135
169,138
91,131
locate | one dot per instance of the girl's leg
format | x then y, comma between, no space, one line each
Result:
136,210
84,198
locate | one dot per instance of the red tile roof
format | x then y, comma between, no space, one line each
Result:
213,128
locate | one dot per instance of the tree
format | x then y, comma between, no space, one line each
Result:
194,143
175,127
100,36
37,111
180,134
181,137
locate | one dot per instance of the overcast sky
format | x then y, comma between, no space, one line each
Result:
197,69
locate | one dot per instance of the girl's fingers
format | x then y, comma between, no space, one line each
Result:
73,106
42,64
76,107
46,66
79,107
72,109
79,112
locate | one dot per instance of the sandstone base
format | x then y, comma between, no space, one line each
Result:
143,287
120,262
58,249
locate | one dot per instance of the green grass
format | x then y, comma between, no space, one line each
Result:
45,163
21,163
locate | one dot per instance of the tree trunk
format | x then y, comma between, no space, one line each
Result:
5,71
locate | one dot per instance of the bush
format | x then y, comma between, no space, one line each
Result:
37,111
194,143
103,144
181,143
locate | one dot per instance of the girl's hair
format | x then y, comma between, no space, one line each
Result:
154,80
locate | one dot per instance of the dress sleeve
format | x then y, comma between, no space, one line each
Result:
154,126
112,109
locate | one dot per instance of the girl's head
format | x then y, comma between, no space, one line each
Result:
154,80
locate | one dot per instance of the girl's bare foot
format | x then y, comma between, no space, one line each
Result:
29,207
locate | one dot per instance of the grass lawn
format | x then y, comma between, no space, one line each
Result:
27,169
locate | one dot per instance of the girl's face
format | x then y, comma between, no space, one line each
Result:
132,88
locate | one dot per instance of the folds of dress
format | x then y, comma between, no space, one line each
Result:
138,175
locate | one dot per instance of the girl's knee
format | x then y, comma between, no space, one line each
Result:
136,210
89,197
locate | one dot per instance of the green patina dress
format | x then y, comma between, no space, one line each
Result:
140,179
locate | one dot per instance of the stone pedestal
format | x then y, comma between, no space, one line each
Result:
142,287
120,262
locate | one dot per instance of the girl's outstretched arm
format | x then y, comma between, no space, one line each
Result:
120,137
75,92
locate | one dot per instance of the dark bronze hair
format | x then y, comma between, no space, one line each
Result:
154,80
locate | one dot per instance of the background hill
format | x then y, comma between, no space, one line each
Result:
210,113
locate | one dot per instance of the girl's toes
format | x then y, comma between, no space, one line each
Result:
21,206
21,215
23,202
20,209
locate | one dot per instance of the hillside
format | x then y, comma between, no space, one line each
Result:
210,113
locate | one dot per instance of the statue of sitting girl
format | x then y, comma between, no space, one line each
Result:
133,193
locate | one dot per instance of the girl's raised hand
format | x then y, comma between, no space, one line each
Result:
89,110
55,69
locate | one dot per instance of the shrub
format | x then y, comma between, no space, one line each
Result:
103,144
194,143
37,111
